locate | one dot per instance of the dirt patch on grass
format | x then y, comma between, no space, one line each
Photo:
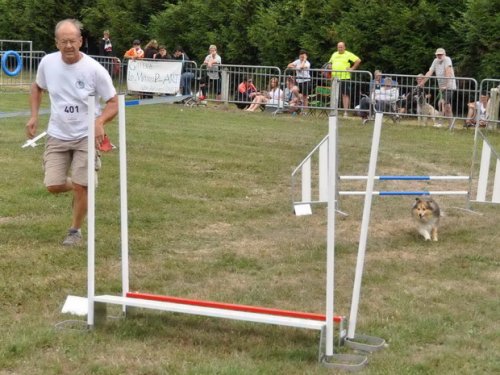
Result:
6,220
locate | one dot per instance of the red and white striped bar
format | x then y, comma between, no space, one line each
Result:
220,310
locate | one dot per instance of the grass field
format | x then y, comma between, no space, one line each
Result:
210,217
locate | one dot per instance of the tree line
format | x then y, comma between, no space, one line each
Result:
394,36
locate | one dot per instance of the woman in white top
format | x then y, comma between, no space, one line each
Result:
274,96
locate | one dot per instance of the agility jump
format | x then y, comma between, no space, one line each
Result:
320,322
329,195
314,191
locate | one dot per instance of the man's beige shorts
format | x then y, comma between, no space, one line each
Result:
65,158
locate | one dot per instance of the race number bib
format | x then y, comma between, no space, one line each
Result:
72,112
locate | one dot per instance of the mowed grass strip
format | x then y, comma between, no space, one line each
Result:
210,217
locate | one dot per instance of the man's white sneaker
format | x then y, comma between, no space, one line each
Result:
98,163
73,238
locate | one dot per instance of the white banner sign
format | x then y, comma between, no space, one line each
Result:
161,77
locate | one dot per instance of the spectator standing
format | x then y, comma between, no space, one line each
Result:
70,77
106,49
151,49
105,45
136,52
342,63
302,75
186,75
212,61
442,67
162,54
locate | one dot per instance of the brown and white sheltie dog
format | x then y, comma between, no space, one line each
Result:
426,213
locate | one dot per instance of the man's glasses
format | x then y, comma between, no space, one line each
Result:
71,42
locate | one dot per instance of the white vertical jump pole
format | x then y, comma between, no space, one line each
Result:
306,181
91,211
484,169
330,241
123,195
364,226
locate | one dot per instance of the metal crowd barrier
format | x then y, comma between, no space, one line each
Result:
220,84
21,66
317,92
232,76
429,102
21,81
114,66
410,100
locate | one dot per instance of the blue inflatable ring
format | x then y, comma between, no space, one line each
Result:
5,69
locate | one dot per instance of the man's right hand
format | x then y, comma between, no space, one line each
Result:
31,126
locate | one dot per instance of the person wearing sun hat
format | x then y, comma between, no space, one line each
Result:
442,67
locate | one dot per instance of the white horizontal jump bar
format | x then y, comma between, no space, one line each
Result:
212,312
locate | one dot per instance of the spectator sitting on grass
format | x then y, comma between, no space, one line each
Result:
246,92
483,116
292,96
274,96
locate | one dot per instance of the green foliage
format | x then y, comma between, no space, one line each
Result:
126,20
35,20
480,48
397,36
195,25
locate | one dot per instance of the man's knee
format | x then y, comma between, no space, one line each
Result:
79,188
56,189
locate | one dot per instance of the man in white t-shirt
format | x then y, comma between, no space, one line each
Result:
70,77
212,61
303,77
442,67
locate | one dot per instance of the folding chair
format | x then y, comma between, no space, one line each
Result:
320,100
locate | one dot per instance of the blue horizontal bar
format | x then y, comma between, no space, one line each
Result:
404,193
130,103
407,178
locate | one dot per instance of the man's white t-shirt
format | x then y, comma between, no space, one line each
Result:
438,67
69,86
302,74
213,72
